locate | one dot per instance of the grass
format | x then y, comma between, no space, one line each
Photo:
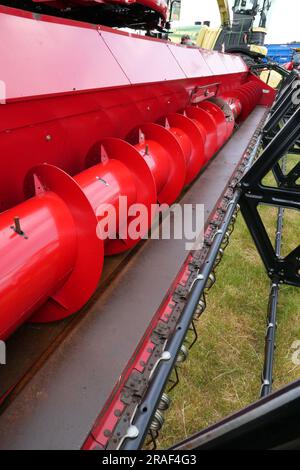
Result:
222,374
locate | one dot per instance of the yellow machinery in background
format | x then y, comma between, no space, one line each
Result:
208,37
244,35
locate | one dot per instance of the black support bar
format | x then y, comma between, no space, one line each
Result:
285,195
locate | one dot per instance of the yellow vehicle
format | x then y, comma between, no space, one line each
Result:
244,35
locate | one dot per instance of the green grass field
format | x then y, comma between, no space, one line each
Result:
222,374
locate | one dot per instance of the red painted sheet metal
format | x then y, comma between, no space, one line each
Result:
53,58
191,62
159,61
152,62
221,64
214,61
233,62
65,130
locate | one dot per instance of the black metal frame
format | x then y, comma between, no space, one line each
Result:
278,141
286,194
283,106
270,345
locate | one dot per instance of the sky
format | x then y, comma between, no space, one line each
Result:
283,24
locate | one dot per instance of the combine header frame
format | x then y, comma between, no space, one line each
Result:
181,124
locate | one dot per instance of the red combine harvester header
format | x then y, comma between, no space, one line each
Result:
91,114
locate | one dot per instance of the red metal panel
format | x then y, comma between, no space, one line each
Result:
219,65
191,62
153,61
63,130
53,58
215,62
234,62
